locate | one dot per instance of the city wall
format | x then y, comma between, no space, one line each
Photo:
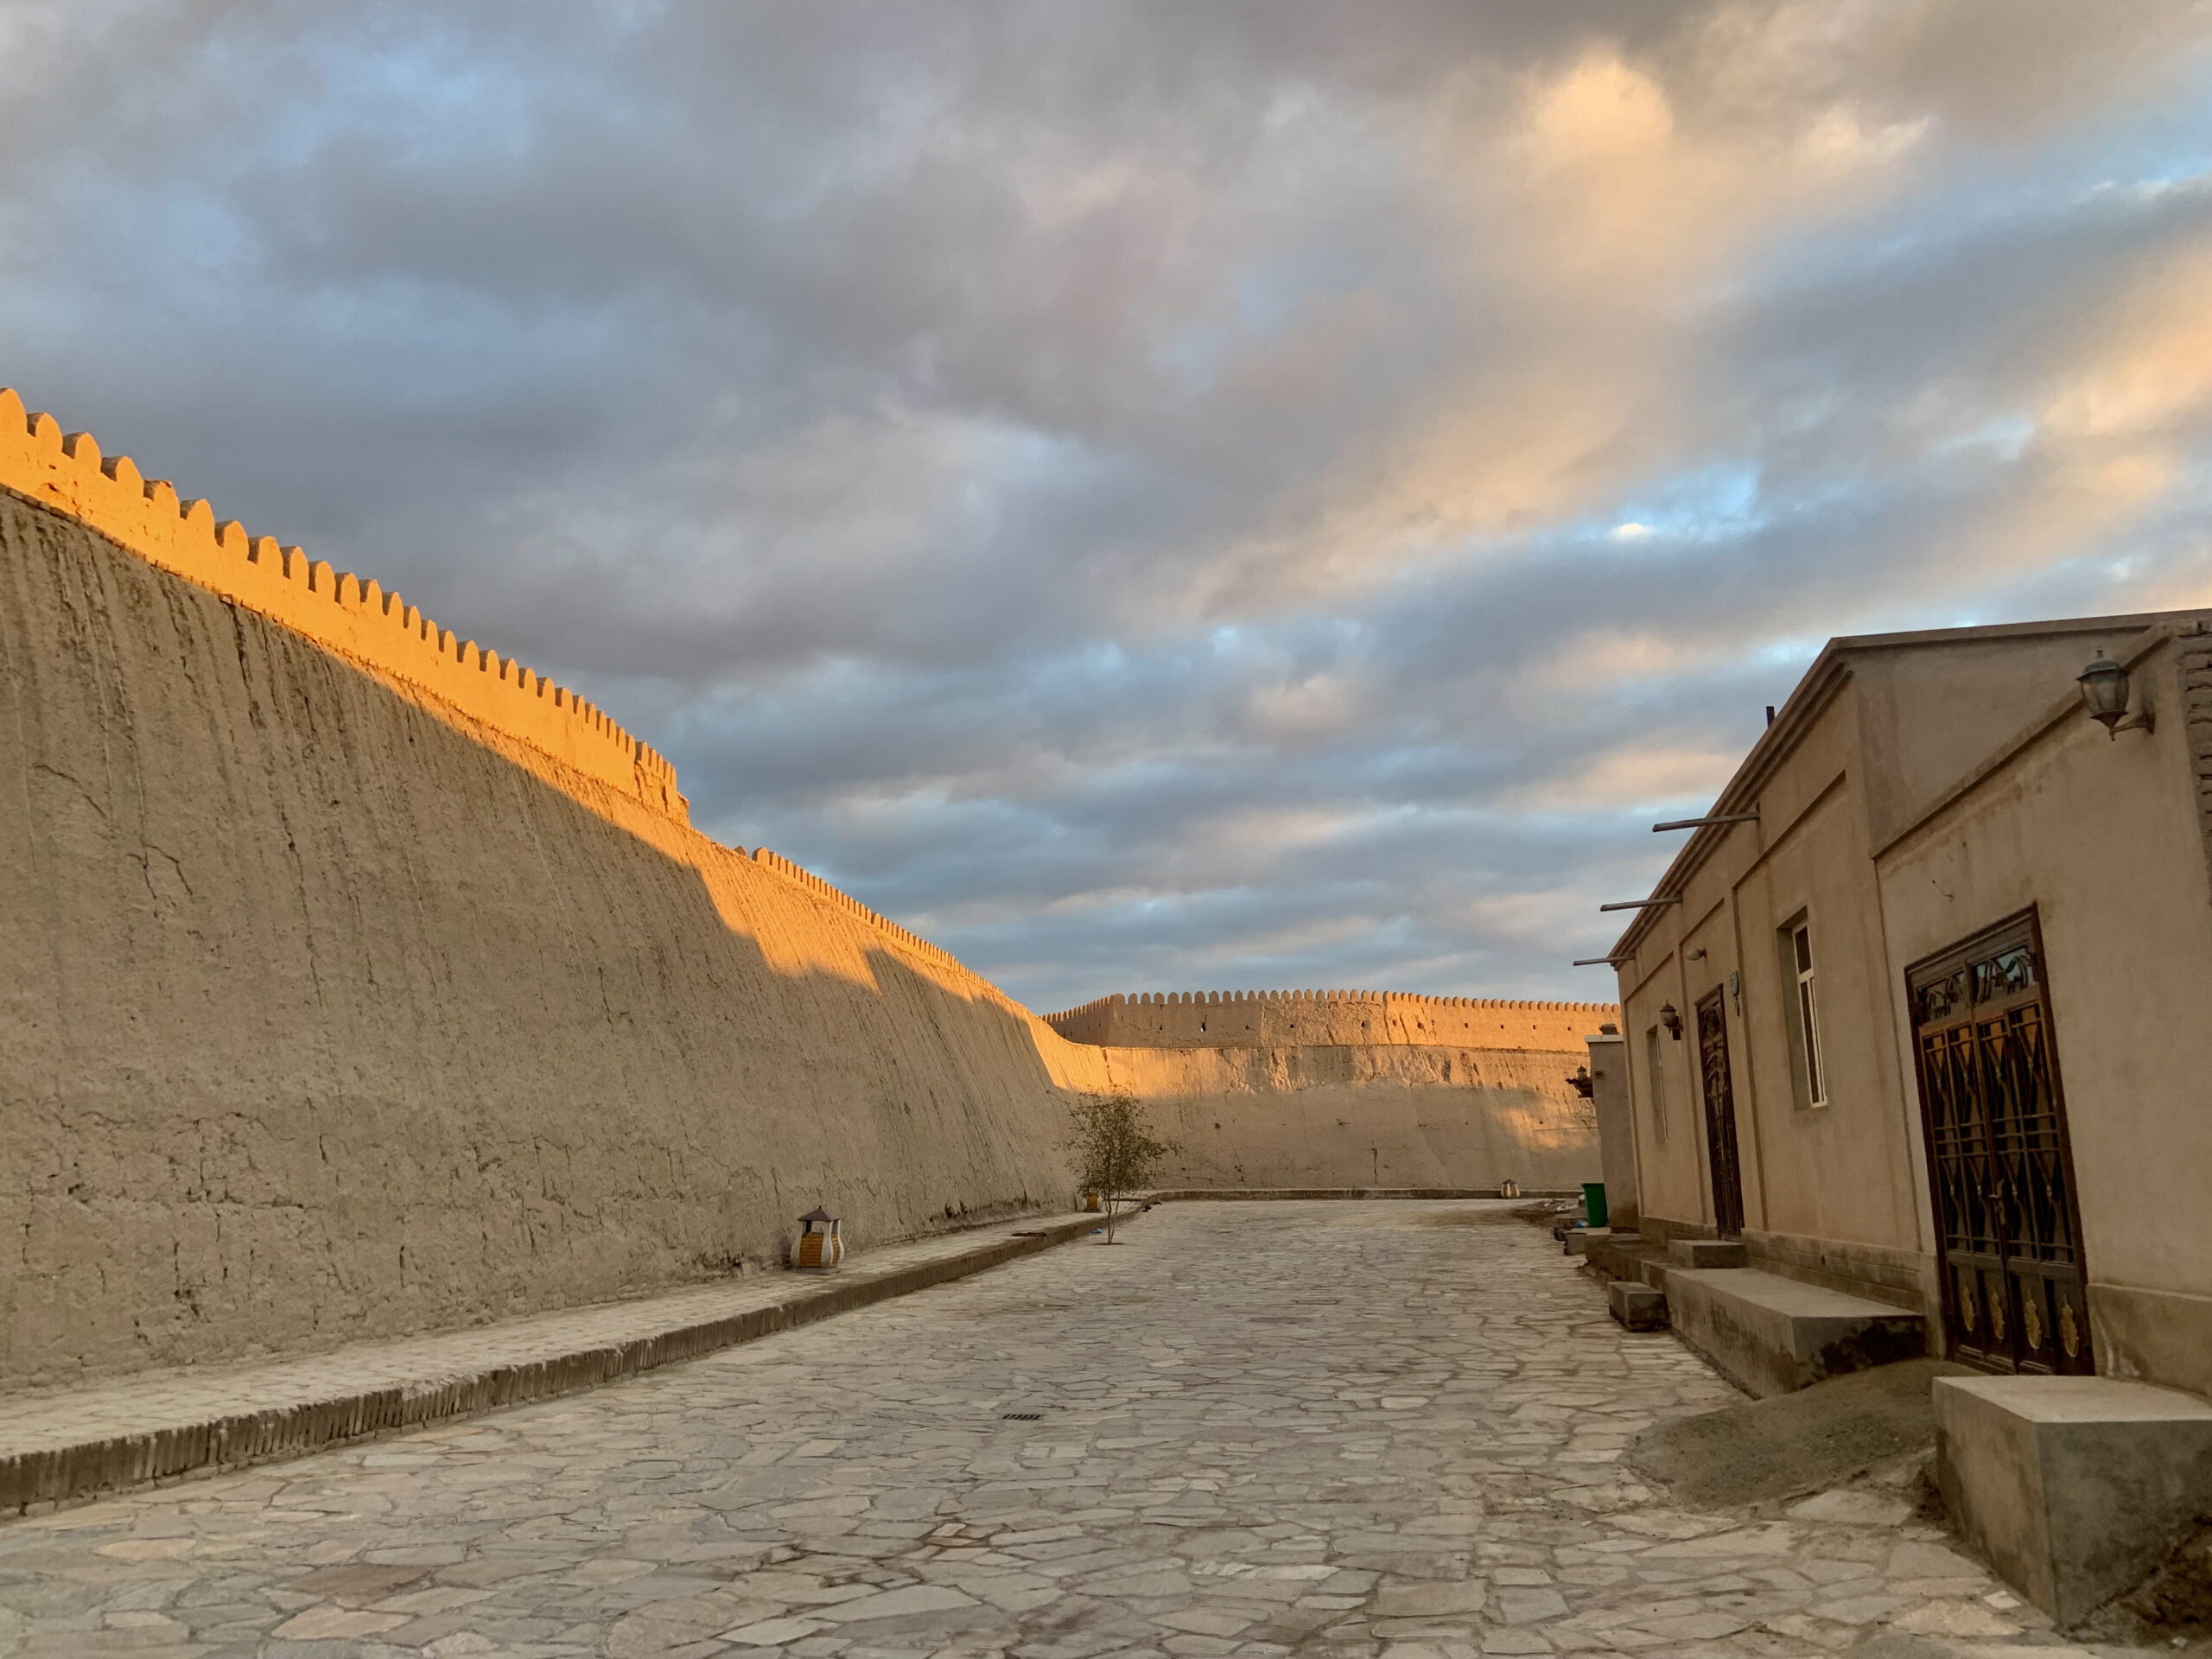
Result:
356,982
1351,1019
1349,1116
1352,1088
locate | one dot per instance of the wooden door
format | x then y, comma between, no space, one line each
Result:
1719,1115
2007,1228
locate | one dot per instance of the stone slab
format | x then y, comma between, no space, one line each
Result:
1772,1335
60,1444
1706,1253
1637,1306
2072,1487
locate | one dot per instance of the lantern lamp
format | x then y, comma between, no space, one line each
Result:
1671,1020
821,1245
2104,690
2104,694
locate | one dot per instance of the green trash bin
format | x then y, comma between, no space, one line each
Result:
1593,1202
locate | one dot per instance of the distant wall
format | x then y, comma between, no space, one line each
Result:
1281,1019
1381,1115
1352,1089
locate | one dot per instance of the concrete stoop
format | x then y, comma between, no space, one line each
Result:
1706,1253
2072,1487
1771,1335
1637,1306
62,1444
1628,1256
1633,1269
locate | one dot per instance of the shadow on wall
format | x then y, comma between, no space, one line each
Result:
326,1012
356,983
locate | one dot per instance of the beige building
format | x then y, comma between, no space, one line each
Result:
1927,1016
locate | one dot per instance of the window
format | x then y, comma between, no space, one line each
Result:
1809,1078
1651,1053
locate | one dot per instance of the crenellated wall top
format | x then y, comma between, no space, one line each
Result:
1331,1017
336,609
375,631
845,901
379,632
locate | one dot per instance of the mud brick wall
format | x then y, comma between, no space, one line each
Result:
355,983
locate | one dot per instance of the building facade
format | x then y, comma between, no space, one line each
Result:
1929,1021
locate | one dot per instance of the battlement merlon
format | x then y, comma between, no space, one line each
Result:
375,631
335,610
1328,1018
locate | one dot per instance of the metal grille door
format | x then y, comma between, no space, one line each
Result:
1995,1119
1719,1116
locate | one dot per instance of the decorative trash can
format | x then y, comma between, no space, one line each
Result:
820,1246
1091,1203
1508,1189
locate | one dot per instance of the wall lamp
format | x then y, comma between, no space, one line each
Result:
1672,1019
2104,693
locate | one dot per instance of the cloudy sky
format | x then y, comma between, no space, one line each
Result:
1228,494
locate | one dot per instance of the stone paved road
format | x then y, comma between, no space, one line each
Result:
1387,1429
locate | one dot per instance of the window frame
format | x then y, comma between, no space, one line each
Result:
1810,1084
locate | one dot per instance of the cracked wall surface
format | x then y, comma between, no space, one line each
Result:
323,1016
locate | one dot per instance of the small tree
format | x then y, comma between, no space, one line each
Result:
1115,1148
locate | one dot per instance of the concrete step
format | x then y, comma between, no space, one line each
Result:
2073,1487
1636,1306
1772,1335
1626,1255
1706,1253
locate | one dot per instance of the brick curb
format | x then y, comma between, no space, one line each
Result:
48,1476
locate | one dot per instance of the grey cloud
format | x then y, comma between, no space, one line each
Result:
1127,487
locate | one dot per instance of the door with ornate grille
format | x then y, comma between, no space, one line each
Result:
2007,1228
1719,1116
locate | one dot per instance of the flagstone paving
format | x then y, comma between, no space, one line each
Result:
1387,1429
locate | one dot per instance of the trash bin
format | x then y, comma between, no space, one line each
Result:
1593,1202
